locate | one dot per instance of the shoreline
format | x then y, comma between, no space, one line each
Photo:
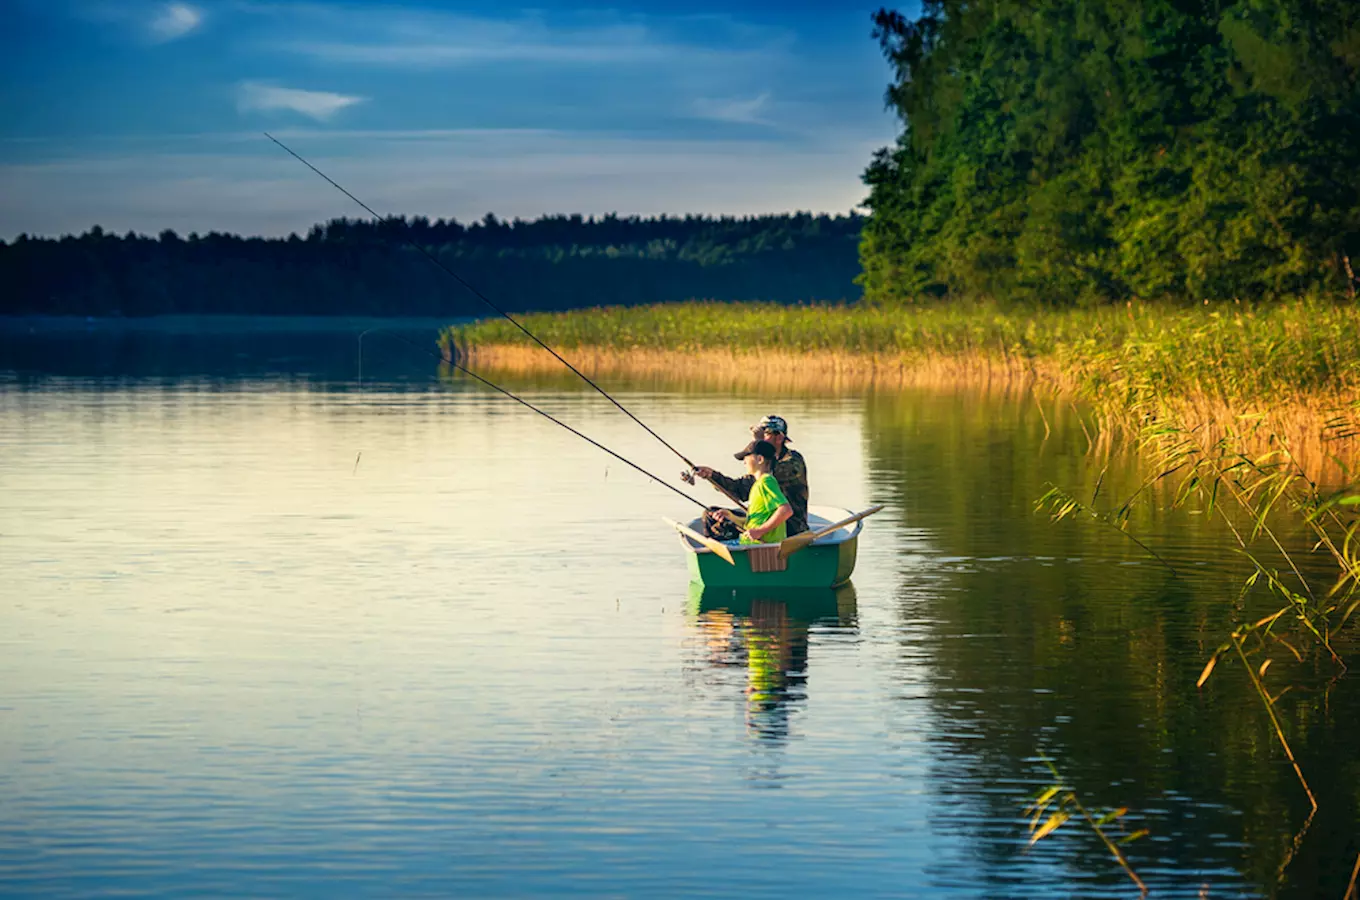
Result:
1304,425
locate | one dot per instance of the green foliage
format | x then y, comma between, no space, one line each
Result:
360,267
1078,151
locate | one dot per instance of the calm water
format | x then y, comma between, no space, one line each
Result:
267,629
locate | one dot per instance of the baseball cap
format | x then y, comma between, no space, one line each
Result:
759,448
775,424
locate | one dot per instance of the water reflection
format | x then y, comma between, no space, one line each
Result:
765,633
334,350
233,656
1067,638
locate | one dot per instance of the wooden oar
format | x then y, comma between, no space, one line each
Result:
799,541
716,546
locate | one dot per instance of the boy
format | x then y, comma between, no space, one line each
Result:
767,508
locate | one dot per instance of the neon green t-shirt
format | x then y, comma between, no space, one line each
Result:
765,498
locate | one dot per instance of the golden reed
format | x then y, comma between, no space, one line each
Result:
1311,426
729,369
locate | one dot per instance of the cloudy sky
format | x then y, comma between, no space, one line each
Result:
149,115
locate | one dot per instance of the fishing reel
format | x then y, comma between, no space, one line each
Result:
687,476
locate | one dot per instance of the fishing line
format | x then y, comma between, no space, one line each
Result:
482,297
525,403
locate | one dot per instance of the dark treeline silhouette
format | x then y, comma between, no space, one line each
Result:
364,267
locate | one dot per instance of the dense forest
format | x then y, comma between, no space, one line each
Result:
1087,150
1065,151
358,267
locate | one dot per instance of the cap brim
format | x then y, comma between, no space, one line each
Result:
741,454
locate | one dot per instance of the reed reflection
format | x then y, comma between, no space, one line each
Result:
765,632
1068,638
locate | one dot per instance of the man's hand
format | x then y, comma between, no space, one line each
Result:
703,472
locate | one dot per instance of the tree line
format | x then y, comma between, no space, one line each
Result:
1096,150
366,267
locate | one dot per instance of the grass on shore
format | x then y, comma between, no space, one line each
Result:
1291,370
1237,352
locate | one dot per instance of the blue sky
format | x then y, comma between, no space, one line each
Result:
147,115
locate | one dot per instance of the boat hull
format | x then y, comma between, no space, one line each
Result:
826,563
814,566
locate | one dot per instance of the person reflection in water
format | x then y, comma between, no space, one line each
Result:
789,470
773,649
776,669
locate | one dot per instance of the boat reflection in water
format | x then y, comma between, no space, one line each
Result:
765,631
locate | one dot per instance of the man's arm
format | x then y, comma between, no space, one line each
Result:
737,487
791,473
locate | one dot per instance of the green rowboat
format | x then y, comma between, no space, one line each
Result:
826,562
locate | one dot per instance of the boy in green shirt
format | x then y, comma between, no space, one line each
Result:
766,507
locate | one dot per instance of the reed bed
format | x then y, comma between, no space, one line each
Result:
1291,370
768,371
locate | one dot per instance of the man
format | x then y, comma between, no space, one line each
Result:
789,471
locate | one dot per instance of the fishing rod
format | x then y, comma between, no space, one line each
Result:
525,403
482,297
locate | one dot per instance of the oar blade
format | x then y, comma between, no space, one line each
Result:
703,540
799,541
792,545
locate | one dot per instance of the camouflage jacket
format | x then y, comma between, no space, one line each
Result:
791,473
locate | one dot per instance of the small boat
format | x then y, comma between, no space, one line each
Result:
826,562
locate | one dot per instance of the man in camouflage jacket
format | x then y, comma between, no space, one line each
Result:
789,470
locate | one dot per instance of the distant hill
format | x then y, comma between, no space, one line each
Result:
359,267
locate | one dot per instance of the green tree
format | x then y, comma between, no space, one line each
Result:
1081,150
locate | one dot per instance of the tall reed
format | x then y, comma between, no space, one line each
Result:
1296,365
1260,499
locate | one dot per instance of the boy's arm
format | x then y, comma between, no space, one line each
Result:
735,518
780,516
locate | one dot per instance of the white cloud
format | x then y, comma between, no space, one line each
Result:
734,109
174,20
458,53
404,37
320,105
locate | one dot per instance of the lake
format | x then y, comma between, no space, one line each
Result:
275,626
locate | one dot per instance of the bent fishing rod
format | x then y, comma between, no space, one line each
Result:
551,418
688,476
